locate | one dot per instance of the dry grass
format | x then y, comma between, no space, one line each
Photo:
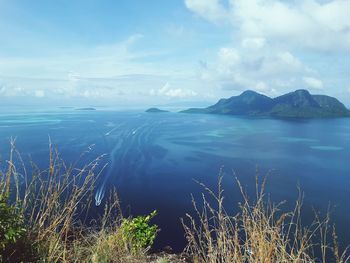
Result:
55,203
260,232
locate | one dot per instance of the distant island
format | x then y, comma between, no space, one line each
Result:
297,104
66,107
86,109
155,110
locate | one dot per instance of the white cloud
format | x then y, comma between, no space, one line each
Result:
212,10
73,76
104,71
269,33
181,93
305,24
11,90
269,71
253,42
39,93
266,64
289,59
332,14
228,59
167,91
261,86
313,83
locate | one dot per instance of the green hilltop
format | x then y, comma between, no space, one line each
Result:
297,104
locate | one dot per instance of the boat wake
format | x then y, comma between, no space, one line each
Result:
130,155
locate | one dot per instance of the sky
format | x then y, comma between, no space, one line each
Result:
138,53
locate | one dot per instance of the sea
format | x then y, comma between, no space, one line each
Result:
156,161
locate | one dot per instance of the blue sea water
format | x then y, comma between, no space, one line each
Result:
154,159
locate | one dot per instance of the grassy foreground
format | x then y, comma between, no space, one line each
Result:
43,218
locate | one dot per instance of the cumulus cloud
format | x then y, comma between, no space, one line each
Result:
253,42
305,24
167,91
11,90
228,58
313,83
272,40
261,86
263,70
39,93
289,59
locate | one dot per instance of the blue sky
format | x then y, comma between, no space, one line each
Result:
142,53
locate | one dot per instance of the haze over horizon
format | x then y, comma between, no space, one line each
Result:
143,53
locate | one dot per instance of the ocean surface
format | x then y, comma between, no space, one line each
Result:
154,159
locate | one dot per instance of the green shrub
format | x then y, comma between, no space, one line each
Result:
12,231
138,234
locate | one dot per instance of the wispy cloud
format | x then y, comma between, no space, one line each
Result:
208,9
105,71
180,51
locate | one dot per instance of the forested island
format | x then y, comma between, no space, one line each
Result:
297,104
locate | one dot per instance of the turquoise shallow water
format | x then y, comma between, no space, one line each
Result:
153,158
326,148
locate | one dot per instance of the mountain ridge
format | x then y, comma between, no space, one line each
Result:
297,104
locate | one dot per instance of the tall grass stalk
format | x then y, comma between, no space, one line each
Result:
259,232
55,203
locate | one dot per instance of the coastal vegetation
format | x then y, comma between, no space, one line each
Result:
45,218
